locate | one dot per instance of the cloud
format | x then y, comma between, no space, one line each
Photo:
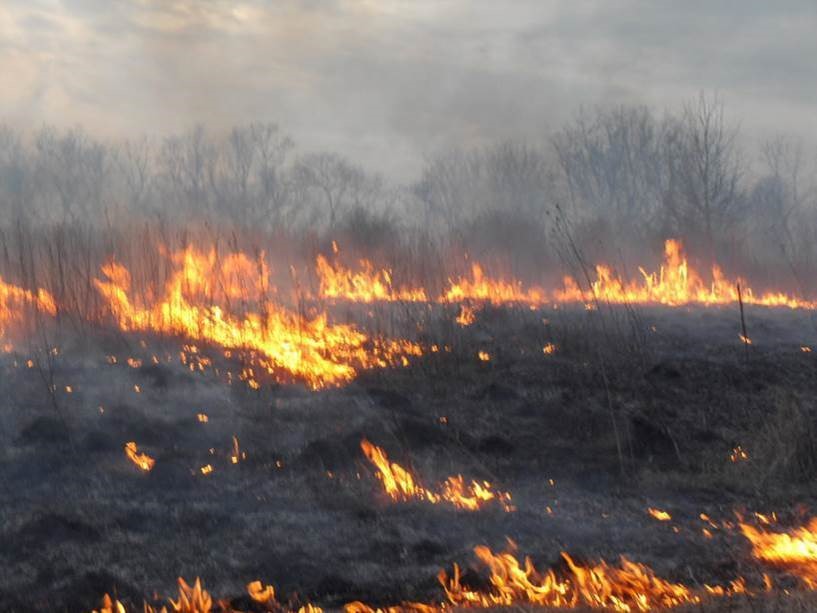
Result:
389,82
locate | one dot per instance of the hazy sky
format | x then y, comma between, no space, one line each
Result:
388,82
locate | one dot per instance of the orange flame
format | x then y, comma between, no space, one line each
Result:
318,352
366,285
466,315
401,485
675,283
142,460
110,606
627,587
13,299
483,288
795,550
659,514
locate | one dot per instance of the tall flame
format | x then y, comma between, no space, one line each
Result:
675,283
14,299
483,288
314,350
366,285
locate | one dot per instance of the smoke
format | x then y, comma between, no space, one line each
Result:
388,84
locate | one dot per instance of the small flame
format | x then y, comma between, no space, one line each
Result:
738,454
401,485
110,605
236,454
261,593
659,514
466,316
142,460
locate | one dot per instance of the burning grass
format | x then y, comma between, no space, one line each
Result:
794,550
314,350
262,478
401,485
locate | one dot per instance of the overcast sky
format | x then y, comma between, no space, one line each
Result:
388,82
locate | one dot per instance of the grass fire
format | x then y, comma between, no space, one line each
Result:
383,307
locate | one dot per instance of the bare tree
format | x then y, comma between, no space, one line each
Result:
612,163
188,163
16,185
705,195
75,168
257,188
134,160
336,182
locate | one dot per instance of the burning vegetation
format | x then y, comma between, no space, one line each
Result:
186,401
400,485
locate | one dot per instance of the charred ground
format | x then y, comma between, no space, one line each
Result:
634,409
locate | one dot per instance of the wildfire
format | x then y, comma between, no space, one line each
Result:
366,285
192,306
675,283
628,586
483,288
401,485
142,460
795,550
14,299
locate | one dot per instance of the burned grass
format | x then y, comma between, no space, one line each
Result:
301,507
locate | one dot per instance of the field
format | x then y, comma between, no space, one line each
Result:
628,409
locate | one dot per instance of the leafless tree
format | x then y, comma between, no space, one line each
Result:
134,161
257,186
16,185
188,163
75,168
612,163
338,184
705,195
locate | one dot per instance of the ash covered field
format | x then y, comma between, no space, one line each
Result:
609,444
407,306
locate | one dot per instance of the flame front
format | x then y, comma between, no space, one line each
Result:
365,285
796,550
674,284
627,587
401,485
193,306
497,291
14,300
